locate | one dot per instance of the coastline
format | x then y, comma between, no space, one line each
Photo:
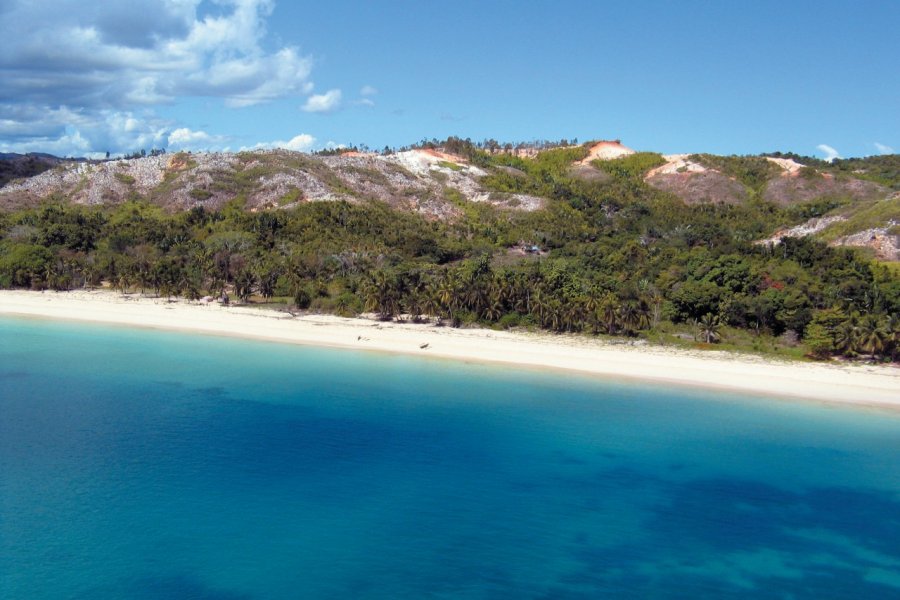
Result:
859,385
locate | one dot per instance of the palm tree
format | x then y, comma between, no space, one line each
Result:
892,328
609,312
539,307
494,311
189,286
123,282
573,316
431,306
710,326
872,336
412,305
644,314
846,337
244,283
629,316
381,296
266,274
554,314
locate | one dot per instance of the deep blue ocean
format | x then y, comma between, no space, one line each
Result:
154,465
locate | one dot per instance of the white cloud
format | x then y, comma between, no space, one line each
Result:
69,132
71,143
54,52
829,152
882,149
366,102
368,90
188,139
64,69
323,103
299,143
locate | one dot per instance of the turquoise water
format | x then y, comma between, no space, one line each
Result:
142,464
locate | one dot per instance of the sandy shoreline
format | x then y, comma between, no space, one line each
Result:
851,384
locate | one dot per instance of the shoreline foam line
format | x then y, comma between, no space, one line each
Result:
859,385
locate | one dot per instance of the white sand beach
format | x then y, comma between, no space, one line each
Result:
857,384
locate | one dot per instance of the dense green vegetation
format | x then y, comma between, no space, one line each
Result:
614,257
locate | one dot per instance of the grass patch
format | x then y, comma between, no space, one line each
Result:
200,194
633,166
865,215
294,195
370,175
753,171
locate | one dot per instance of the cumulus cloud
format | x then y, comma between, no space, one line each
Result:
185,138
66,69
829,152
323,103
368,90
882,149
119,54
69,132
299,143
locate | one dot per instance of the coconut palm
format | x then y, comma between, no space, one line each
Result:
540,308
629,317
267,277
892,328
872,336
123,281
573,316
710,327
412,306
846,337
244,284
608,313
493,311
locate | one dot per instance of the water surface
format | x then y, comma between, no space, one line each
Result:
142,464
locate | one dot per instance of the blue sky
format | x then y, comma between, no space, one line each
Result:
80,78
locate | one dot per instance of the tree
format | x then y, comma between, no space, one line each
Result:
892,329
872,336
267,277
846,337
244,284
710,327
609,313
822,332
629,317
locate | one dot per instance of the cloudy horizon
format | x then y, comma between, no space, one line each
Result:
89,78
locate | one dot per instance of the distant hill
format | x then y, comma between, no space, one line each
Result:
16,166
439,180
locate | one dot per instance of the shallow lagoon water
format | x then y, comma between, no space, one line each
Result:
147,464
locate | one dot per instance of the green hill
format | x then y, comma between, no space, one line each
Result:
459,233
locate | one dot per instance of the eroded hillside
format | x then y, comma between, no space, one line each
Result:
422,181
852,202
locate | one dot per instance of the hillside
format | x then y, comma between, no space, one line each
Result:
595,238
439,181
422,181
